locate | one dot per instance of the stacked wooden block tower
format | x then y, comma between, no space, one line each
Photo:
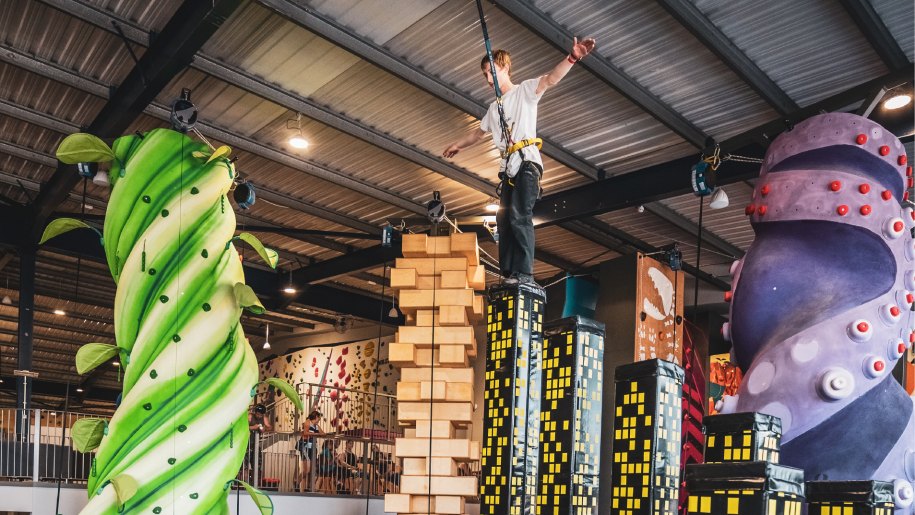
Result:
436,280
741,474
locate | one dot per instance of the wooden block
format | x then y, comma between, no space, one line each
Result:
460,413
397,503
439,485
411,300
429,282
444,356
434,429
451,375
409,432
449,504
457,392
439,246
409,391
454,279
452,316
465,244
432,390
402,354
479,306
420,467
413,246
437,335
432,266
419,448
476,277
426,317
403,278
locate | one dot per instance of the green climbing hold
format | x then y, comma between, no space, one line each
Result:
206,306
153,374
147,406
176,338
191,372
194,495
171,461
152,271
253,391
146,199
204,253
182,428
157,510
163,298
194,190
164,213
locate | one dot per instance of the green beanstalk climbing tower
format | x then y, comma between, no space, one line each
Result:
180,432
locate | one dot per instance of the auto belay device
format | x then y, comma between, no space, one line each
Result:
184,112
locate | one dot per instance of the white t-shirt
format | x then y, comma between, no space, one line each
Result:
520,107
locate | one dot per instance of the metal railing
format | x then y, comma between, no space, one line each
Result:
35,445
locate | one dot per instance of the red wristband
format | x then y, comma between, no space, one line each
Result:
571,59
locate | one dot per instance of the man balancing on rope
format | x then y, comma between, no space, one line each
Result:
521,167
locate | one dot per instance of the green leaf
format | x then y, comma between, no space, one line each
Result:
91,355
263,501
84,148
222,151
199,155
87,433
59,226
247,299
267,254
287,390
125,487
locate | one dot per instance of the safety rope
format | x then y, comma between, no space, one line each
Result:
506,132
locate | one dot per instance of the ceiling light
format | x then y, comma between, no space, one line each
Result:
79,390
7,300
101,178
719,199
290,289
296,140
115,364
393,313
59,312
267,338
897,101
492,206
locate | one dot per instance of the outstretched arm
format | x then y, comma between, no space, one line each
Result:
580,49
471,138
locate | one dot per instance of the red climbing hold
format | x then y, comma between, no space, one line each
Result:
842,210
894,310
902,160
905,195
884,150
862,327
900,349
898,226
886,195
908,171
835,185
878,366
861,139
864,188
865,210
764,190
749,210
727,296
909,298
761,210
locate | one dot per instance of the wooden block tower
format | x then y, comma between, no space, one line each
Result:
436,279
511,419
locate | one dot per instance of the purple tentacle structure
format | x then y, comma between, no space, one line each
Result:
822,303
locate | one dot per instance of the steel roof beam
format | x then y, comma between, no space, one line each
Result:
183,35
555,34
876,32
690,17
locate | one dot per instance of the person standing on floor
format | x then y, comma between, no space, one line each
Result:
521,167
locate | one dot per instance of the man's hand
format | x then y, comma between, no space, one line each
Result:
580,49
451,150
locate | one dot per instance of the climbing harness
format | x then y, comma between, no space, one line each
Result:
521,144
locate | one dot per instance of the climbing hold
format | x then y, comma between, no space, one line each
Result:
835,185
163,298
761,210
884,150
860,330
842,210
902,160
886,195
749,210
728,295
864,188
865,210
764,190
893,228
873,366
726,331
836,384
861,139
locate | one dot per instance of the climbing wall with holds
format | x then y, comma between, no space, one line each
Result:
350,368
822,305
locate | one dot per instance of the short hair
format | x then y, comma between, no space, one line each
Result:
314,415
260,408
501,58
